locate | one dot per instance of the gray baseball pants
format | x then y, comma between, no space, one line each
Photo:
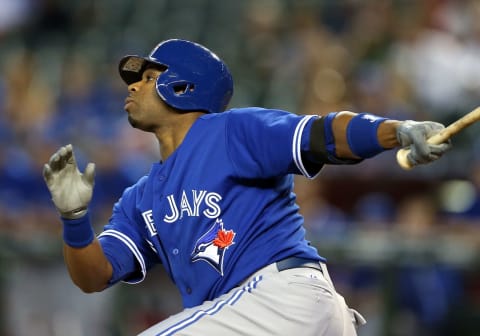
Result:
297,301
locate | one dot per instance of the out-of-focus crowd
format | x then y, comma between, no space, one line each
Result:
403,245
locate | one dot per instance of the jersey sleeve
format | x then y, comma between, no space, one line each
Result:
123,243
265,143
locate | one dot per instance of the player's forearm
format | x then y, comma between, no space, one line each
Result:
88,267
385,134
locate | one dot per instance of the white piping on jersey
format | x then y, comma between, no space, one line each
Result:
132,247
151,245
231,300
297,146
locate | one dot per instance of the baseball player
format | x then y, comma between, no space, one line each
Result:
217,210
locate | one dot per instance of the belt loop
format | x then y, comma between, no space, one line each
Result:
326,274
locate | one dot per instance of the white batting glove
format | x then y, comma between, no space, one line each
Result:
414,134
70,189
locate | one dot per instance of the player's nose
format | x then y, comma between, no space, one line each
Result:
133,87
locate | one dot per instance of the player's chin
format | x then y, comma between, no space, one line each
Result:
133,122
139,125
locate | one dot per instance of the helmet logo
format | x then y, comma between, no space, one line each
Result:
133,64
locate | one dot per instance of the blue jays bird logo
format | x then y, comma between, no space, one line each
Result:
212,245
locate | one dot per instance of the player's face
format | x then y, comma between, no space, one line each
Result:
143,104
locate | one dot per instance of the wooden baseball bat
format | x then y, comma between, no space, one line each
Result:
442,136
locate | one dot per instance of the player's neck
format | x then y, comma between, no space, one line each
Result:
170,136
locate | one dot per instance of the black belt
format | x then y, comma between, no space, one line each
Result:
295,262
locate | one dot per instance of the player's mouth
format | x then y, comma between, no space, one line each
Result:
128,101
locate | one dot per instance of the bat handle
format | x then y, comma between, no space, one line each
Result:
402,158
440,137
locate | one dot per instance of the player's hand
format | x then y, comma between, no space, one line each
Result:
414,134
70,189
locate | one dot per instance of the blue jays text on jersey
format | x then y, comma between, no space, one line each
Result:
189,205
204,212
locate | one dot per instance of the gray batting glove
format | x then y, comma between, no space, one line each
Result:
414,134
70,189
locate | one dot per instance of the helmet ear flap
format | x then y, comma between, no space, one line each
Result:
175,90
180,89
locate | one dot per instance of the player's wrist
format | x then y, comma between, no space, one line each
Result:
73,214
363,136
78,232
387,133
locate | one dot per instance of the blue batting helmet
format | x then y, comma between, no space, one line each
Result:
194,77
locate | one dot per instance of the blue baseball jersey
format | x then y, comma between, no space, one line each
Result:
219,208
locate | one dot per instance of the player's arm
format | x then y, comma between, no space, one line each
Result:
385,134
88,267
348,135
71,193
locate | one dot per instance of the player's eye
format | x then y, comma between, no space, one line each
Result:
149,78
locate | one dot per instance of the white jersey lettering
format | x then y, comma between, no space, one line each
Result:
191,206
148,218
197,199
173,207
185,206
211,200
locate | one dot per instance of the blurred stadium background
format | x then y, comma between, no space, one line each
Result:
403,246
